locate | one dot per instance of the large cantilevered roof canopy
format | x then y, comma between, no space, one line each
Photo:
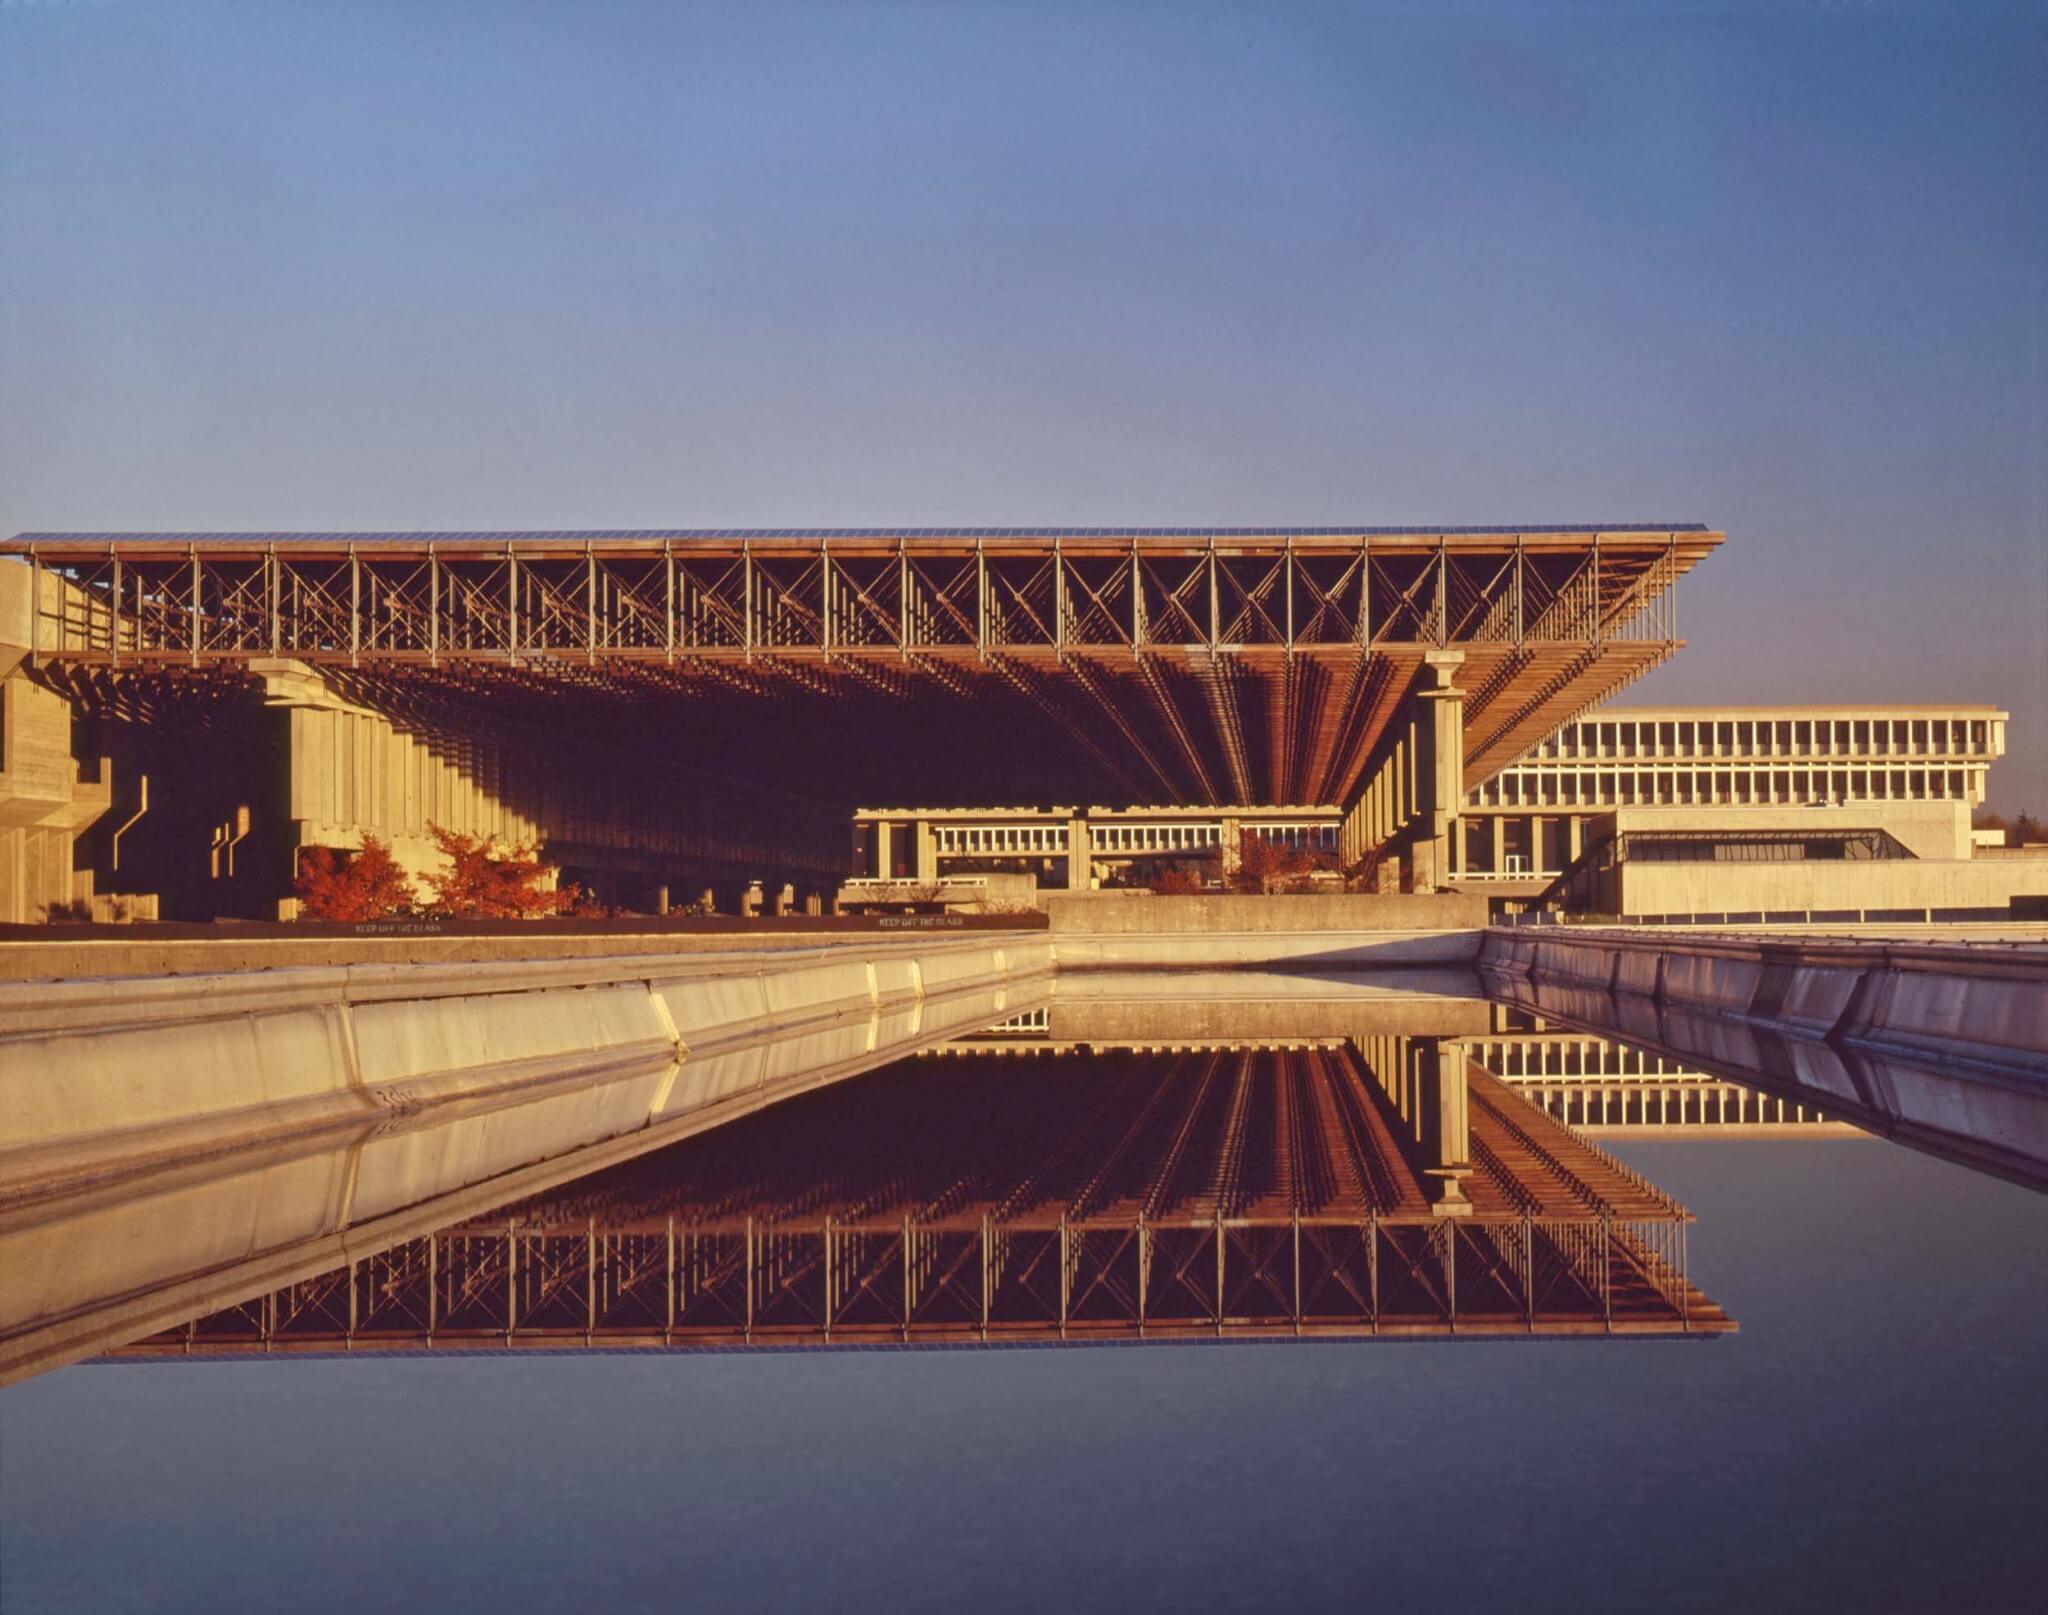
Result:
1168,665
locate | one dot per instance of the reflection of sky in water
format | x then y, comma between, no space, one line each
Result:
1869,1440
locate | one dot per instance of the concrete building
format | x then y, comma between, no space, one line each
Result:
669,712
48,798
55,786
1075,848
1890,862
1526,824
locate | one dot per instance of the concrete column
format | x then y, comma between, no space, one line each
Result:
1439,769
1575,838
44,804
884,868
1498,826
1447,1124
927,854
1078,873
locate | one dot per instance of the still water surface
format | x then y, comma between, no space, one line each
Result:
1871,1439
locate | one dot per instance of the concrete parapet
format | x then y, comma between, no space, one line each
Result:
1985,1006
108,1076
1348,932
1991,1116
1928,1007
1339,950
56,954
1306,915
1147,1009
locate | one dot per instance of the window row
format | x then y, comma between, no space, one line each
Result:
1764,737
1594,788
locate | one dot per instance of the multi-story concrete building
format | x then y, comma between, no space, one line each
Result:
1528,822
188,711
1524,826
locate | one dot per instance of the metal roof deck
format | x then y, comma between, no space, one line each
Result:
25,540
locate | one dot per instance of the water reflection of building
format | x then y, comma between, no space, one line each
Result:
1602,1087
1591,1083
1350,1187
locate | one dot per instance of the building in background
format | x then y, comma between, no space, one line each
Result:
1525,826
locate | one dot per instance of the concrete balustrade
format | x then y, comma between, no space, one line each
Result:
107,1076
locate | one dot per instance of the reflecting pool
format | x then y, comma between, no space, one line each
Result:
1695,1333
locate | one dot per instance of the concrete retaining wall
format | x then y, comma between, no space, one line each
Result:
65,953
1819,886
1340,932
1332,950
1991,1117
1988,1006
99,1078
1307,913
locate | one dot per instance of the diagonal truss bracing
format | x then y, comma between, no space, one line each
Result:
1199,666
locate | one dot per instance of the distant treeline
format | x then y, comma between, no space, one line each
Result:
2020,830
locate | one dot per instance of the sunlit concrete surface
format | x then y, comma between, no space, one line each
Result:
121,1239
1939,1049
1984,1006
1362,932
1179,1009
112,1074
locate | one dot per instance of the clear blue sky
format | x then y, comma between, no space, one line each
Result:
1776,267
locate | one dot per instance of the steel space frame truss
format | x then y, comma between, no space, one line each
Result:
753,1282
1193,670
206,600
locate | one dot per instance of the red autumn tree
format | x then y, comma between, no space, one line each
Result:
482,884
1274,866
334,884
1175,881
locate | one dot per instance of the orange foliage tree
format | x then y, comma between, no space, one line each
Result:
337,885
480,884
1273,866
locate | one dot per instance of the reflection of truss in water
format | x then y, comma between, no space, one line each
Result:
1273,1192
